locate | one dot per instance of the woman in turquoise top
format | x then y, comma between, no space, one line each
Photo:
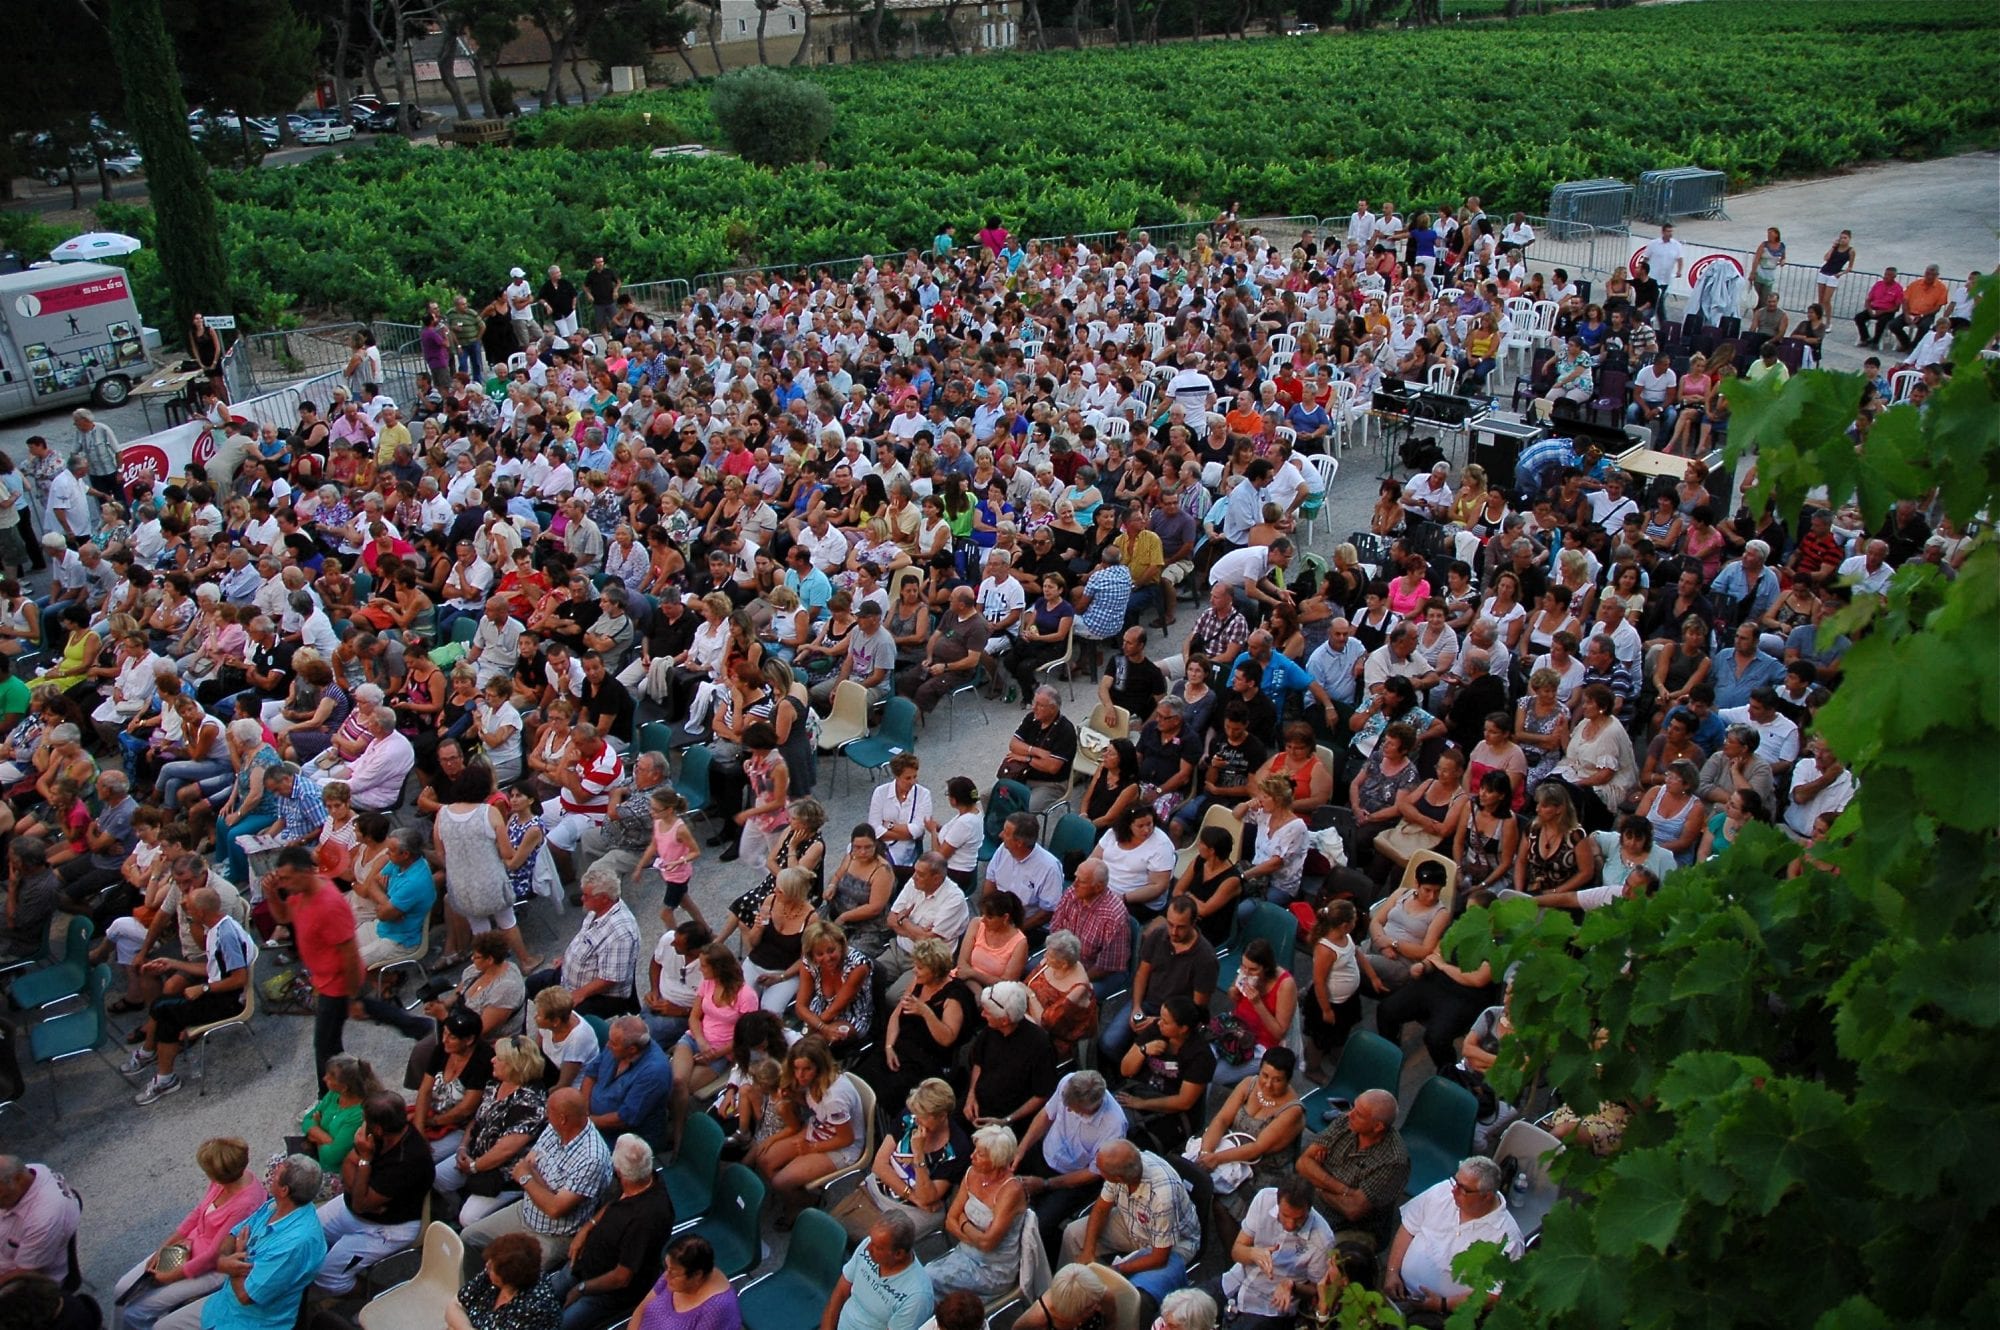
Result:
328,1127
1084,496
1727,822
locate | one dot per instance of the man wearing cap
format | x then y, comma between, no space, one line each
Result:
870,660
520,298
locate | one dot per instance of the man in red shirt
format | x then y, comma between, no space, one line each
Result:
1818,555
1883,306
322,927
590,771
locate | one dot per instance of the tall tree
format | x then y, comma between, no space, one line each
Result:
253,57
185,231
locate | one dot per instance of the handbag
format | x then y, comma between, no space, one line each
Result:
1226,1178
1234,1043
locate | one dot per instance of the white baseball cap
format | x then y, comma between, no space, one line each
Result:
516,272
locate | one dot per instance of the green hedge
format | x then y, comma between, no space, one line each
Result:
1080,141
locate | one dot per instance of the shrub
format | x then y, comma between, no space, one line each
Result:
770,119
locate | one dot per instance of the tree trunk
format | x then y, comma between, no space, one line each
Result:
188,240
1034,17
687,58
875,30
448,57
583,85
803,56
343,44
554,95
715,36
75,188
763,17
951,25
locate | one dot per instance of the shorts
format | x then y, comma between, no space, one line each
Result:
1829,280
676,892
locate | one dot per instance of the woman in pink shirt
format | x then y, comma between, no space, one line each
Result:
151,1289
1408,592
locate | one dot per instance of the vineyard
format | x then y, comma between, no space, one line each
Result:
1079,141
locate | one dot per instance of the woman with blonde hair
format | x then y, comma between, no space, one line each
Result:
915,1168
181,1270
506,1123
830,1131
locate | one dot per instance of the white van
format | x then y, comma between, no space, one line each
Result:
68,333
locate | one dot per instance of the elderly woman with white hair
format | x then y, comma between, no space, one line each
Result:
988,1217
1077,1299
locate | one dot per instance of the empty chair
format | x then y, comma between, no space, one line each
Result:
1442,379
690,1179
1367,1062
792,1296
1438,1131
848,719
195,1038
74,1033
1531,1150
898,734
60,980
731,1224
1284,344
419,1303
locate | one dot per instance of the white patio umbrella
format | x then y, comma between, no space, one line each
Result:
94,245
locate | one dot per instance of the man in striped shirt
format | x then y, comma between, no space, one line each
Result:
591,770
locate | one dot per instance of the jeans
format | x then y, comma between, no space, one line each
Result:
226,836
174,775
592,1310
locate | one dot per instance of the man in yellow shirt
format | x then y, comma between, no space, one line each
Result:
1145,560
390,434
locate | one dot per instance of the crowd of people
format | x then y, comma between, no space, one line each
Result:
361,689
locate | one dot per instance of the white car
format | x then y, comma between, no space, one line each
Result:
310,130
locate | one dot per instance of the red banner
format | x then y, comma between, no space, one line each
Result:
57,299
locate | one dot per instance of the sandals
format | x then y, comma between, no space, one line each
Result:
124,1006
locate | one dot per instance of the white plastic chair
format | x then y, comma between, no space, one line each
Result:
1451,295
1344,394
1324,469
1115,427
1156,338
1294,329
419,1303
1902,383
1284,344
1098,329
1442,379
1544,332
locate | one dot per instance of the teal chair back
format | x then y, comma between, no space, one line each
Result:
899,724
65,978
1367,1062
1006,798
599,1027
1072,840
731,1224
1438,1131
1273,923
73,1032
690,1179
693,781
656,736
463,627
793,1296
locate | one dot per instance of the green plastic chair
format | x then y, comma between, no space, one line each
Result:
792,1296
1367,1062
656,736
598,1026
65,978
693,781
1073,839
898,734
690,1179
1006,798
74,1033
36,959
1438,1131
1275,924
464,626
731,1224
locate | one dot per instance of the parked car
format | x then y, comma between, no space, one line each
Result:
204,122
324,127
380,118
117,165
1302,30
